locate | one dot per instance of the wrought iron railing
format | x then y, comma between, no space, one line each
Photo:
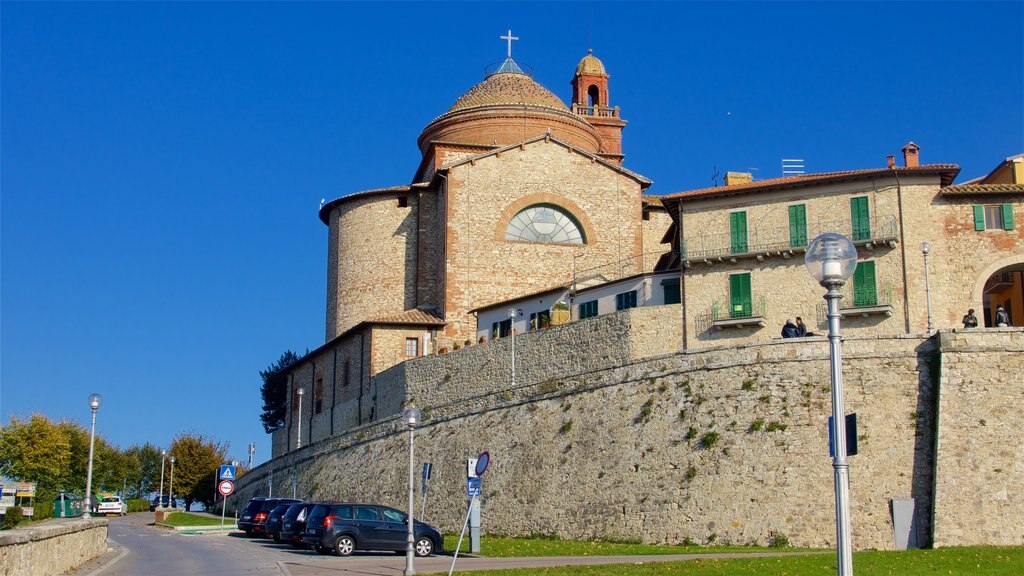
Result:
753,308
859,297
777,239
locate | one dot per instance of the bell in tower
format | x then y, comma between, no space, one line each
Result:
590,101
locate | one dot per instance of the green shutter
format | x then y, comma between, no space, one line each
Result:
979,217
739,296
798,225
738,232
672,294
865,290
860,218
1007,216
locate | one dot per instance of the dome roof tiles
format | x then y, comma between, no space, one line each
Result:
507,88
591,66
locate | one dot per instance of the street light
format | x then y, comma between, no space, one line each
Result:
298,437
831,259
94,402
170,491
925,249
512,329
412,416
160,496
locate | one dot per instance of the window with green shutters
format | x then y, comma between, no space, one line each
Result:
740,299
798,225
865,289
738,232
994,217
860,219
671,293
588,309
625,300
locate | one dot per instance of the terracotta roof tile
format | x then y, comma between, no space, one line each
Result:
430,316
965,189
948,171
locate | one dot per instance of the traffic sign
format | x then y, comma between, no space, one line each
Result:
473,486
227,472
481,462
226,487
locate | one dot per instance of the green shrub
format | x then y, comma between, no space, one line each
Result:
709,439
749,384
138,505
566,427
779,541
43,509
12,517
775,427
756,425
691,433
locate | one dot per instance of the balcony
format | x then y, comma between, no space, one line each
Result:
747,314
861,302
774,242
598,111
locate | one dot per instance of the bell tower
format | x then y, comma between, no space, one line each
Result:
590,101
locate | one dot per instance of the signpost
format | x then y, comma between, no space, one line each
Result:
475,468
427,468
225,486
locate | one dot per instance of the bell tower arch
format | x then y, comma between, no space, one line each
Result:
590,100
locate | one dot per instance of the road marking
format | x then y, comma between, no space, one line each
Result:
124,552
282,567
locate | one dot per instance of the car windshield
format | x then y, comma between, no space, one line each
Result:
293,511
318,513
250,508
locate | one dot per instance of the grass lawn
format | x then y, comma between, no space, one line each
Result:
498,547
186,519
976,561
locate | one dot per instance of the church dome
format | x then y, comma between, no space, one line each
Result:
508,106
590,66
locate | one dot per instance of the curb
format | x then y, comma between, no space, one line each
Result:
199,529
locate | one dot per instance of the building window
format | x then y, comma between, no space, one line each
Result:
588,309
501,329
993,217
865,290
625,300
540,319
346,374
738,232
544,223
318,395
671,291
412,347
860,219
798,225
740,298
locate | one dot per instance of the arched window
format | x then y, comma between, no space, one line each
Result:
594,96
544,223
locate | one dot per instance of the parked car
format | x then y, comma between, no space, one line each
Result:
274,521
254,516
293,523
112,505
165,502
345,528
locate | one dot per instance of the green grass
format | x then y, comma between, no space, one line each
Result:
186,519
975,561
499,547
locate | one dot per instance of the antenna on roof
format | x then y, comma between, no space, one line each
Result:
715,174
792,167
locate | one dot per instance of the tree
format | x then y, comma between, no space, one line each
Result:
148,457
36,450
275,392
197,460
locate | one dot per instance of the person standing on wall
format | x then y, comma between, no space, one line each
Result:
801,328
789,330
970,320
1002,318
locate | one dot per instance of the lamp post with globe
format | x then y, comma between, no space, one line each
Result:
411,416
94,403
831,259
160,496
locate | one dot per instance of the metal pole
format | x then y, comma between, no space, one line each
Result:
409,542
160,496
423,499
170,490
839,464
298,436
88,480
512,329
927,293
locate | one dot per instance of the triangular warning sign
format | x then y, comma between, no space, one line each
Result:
226,474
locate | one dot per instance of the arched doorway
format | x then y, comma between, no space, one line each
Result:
1004,287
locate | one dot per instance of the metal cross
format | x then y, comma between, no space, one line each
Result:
510,38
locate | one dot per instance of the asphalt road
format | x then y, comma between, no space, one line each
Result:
137,548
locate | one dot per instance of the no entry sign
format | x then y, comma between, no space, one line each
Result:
226,487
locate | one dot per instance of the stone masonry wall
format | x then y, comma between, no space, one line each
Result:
725,444
979,489
55,547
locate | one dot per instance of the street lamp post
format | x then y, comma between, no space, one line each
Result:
412,416
512,330
170,490
160,496
298,437
925,249
94,403
831,259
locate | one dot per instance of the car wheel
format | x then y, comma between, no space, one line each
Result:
344,545
322,549
424,546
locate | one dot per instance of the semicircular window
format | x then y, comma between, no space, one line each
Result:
544,223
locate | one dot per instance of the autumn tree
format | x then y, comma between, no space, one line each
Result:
197,459
275,392
36,450
147,457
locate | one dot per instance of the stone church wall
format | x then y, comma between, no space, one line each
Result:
622,439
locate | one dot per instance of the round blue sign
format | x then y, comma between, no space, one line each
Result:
481,462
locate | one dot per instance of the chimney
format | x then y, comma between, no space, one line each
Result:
734,178
910,159
891,160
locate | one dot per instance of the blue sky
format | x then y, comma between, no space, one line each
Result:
161,164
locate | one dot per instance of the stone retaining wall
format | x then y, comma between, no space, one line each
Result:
51,548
